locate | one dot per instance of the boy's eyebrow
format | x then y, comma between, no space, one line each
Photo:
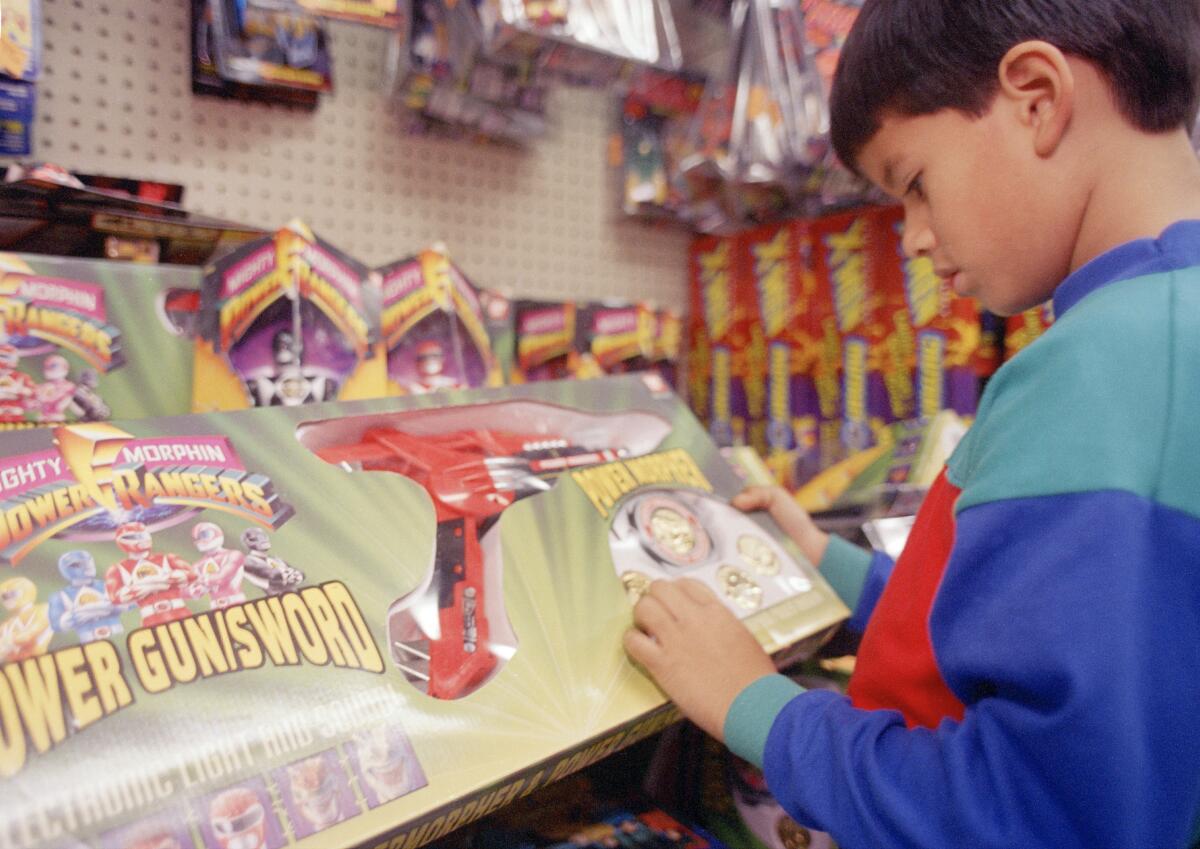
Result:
889,173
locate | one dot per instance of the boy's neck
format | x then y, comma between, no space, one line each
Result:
1142,185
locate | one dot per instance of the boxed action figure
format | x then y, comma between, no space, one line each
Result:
352,624
932,336
737,370
778,261
843,263
620,335
284,320
86,340
549,343
440,331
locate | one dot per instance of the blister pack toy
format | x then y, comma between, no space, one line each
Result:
664,534
381,13
20,39
287,320
438,67
272,50
593,43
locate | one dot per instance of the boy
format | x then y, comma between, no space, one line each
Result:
1028,675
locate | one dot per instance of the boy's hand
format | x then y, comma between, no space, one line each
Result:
793,518
696,649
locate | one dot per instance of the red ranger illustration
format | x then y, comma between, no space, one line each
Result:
16,388
155,583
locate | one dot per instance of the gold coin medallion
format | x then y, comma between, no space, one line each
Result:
740,587
758,555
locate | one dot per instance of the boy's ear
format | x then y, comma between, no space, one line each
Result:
1038,82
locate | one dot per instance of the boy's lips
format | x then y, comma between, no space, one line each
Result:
954,278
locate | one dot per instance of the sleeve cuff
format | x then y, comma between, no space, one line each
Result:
753,712
845,567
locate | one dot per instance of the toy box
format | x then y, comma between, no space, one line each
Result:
931,336
550,343
820,332
779,261
439,330
1021,330
736,391
85,340
352,624
285,320
620,335
844,261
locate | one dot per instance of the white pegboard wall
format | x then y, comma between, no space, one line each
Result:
116,99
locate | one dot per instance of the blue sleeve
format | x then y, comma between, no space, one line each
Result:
1074,643
857,576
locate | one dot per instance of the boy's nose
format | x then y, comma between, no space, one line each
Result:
918,239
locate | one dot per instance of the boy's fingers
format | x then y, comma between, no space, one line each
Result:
699,593
652,616
754,498
642,648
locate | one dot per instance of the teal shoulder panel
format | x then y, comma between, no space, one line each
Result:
1102,401
1179,487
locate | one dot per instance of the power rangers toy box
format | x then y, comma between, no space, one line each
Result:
352,624
86,340
441,331
286,320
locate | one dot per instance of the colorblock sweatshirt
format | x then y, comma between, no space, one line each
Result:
1029,673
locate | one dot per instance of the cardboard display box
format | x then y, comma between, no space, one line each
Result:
85,340
350,624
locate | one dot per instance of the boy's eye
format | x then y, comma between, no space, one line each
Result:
916,188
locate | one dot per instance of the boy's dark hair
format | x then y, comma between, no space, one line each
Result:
916,57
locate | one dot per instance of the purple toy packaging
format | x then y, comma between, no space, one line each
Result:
439,330
287,320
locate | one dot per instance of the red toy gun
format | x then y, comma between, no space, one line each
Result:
471,476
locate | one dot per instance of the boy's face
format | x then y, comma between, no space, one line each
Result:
989,212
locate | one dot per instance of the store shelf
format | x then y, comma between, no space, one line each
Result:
116,98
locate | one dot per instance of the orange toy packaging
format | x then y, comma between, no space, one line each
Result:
819,336
843,262
778,260
1021,330
285,320
736,391
926,337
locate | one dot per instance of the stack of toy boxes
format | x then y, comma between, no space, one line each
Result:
807,339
